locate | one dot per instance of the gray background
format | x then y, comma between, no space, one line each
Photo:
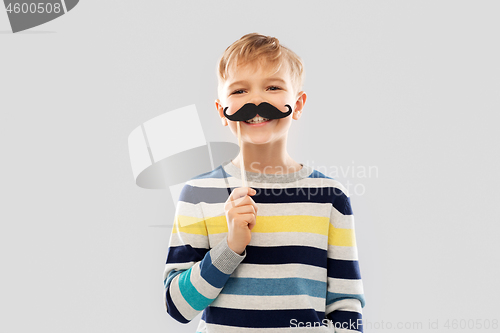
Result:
410,87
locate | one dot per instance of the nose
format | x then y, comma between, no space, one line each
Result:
256,98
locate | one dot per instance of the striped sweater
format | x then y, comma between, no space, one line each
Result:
300,269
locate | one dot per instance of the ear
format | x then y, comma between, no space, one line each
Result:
299,105
220,109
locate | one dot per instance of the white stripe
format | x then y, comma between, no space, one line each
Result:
275,209
188,209
213,209
343,252
345,286
215,239
213,328
176,266
64,6
347,304
245,270
183,238
339,220
281,302
279,238
289,238
235,182
343,330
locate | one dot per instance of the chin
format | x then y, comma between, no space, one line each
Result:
259,141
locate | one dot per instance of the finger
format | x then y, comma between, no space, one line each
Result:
252,223
241,192
245,209
252,202
243,201
234,197
230,204
248,218
238,197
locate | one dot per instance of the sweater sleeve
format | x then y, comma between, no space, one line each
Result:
194,273
345,296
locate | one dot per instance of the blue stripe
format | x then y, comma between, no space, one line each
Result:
218,195
296,194
333,297
216,173
212,274
195,195
261,318
346,319
317,174
347,210
333,195
185,253
343,269
274,287
293,254
340,200
172,309
190,294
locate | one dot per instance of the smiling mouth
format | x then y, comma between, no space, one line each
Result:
257,120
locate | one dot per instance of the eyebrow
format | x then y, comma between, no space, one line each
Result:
271,79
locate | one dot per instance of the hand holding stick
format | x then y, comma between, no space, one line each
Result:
240,211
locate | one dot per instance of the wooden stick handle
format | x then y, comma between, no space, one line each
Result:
243,174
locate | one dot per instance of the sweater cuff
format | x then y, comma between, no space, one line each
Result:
225,259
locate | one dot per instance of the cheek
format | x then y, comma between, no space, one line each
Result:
233,126
233,106
280,102
287,121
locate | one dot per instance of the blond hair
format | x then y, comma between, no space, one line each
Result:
266,50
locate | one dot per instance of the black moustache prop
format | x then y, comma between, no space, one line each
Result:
264,109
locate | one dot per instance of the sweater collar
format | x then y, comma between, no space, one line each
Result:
258,177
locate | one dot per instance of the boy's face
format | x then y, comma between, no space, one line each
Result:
253,83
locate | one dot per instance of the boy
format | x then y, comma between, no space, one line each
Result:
280,254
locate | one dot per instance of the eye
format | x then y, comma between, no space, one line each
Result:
277,88
237,92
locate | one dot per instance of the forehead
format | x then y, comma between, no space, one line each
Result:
257,69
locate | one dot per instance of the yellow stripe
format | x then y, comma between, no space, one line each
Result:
341,237
189,225
292,223
217,225
268,224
